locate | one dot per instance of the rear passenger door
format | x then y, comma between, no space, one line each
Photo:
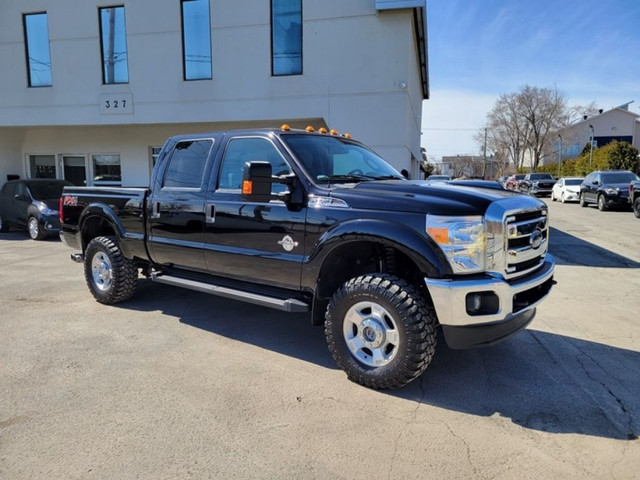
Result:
261,242
175,209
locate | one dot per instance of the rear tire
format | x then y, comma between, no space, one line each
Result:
111,277
583,202
380,331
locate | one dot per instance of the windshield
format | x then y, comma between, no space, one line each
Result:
46,191
541,176
573,181
329,159
621,177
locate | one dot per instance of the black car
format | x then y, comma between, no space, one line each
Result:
607,188
31,205
537,184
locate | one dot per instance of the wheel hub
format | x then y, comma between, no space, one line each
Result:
372,333
101,271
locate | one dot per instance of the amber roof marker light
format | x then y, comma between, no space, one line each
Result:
285,127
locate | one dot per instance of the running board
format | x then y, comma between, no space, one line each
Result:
285,304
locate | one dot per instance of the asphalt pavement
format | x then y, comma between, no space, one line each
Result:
177,384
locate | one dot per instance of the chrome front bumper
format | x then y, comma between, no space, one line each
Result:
515,298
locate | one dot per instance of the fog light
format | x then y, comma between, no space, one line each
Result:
482,303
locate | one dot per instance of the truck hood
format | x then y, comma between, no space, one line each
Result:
441,198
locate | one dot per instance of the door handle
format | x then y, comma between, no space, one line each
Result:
210,213
155,210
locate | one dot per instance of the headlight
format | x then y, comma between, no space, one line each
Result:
43,209
462,239
612,191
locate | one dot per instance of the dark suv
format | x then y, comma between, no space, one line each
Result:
537,184
607,188
31,205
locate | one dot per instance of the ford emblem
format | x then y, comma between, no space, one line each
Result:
535,240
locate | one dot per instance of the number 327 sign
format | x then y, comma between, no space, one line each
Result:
116,104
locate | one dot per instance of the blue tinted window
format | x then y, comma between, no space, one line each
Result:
196,39
36,35
113,38
286,37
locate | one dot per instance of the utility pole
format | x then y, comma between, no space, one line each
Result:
591,148
484,152
559,155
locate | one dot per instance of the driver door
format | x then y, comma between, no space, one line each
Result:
262,242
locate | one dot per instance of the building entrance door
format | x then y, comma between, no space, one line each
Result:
74,169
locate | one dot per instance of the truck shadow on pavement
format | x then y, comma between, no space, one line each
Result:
571,250
538,380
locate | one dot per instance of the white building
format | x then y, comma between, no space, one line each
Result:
616,124
90,90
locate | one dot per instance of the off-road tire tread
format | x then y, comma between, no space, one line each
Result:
124,271
417,317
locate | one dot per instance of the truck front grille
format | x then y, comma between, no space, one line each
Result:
519,228
527,234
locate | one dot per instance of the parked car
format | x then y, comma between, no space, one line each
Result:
31,205
607,188
513,181
438,178
567,189
539,184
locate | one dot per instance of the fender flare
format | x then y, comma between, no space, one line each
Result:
103,212
421,249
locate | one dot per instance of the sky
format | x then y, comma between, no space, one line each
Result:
480,49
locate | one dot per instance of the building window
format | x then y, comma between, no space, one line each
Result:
42,166
187,164
106,169
286,37
196,40
113,43
36,34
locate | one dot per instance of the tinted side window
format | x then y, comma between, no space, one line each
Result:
187,163
242,150
8,189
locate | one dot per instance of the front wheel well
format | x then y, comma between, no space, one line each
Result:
353,259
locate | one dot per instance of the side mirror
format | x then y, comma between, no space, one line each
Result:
256,181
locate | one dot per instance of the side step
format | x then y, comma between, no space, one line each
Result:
291,305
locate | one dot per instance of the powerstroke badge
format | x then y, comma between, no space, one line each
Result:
287,243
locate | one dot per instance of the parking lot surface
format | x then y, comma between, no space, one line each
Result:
178,384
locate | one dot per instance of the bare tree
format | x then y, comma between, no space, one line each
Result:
523,124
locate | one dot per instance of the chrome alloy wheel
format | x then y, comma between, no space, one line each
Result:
101,271
34,228
371,334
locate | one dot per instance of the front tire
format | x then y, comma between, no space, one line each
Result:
380,331
636,207
35,230
111,277
602,203
562,199
4,226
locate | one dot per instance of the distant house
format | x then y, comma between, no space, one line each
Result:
615,124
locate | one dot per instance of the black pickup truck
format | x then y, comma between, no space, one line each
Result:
313,221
